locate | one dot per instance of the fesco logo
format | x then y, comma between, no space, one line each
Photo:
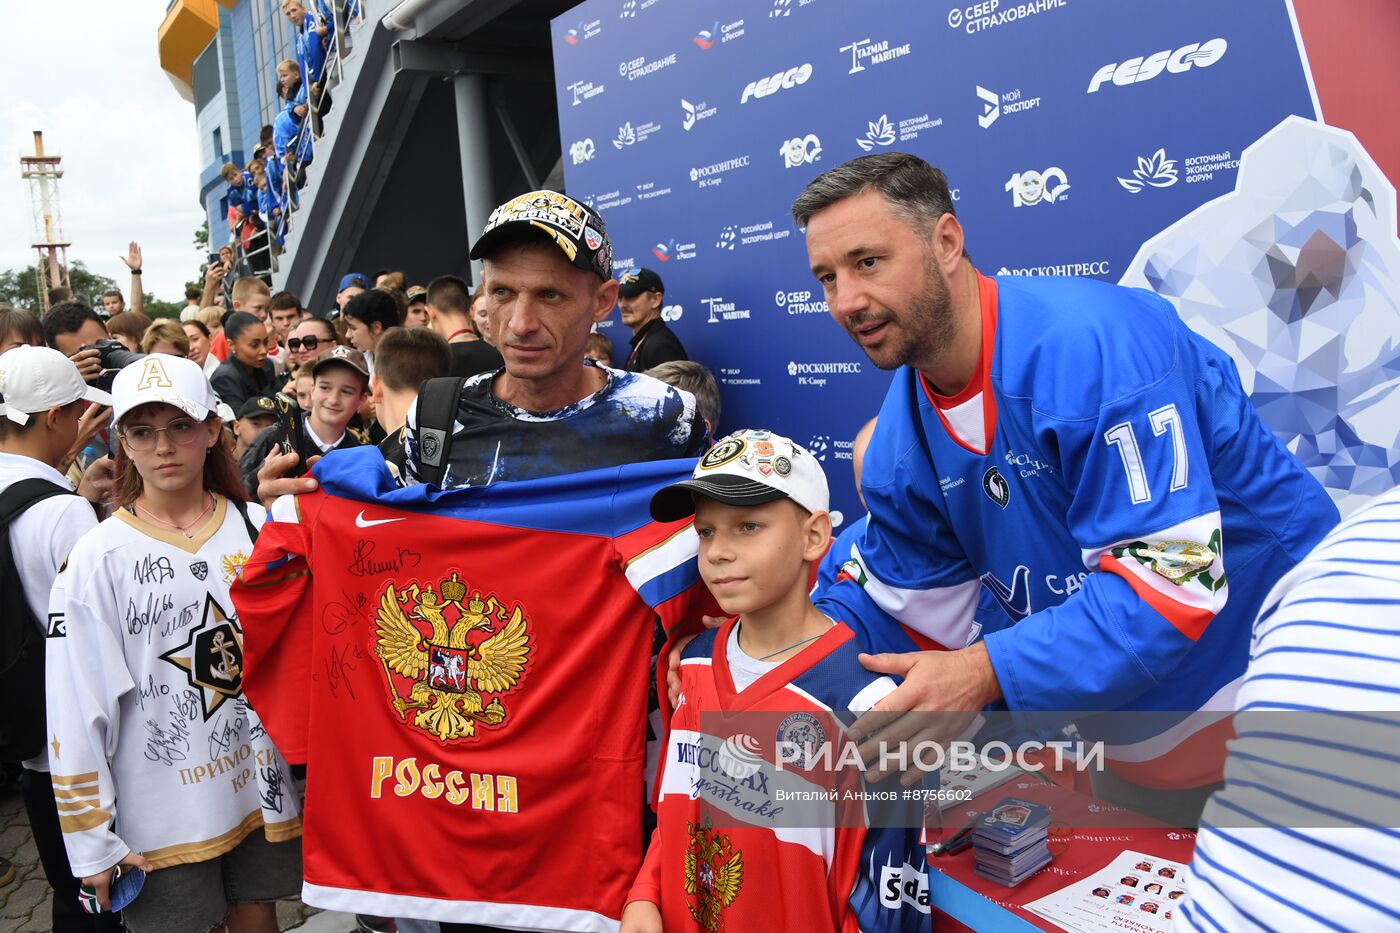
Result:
776,82
1135,70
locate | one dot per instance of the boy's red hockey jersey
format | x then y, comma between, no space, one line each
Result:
745,843
465,675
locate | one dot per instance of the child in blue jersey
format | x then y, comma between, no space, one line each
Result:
760,506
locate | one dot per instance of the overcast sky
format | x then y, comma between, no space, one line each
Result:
87,73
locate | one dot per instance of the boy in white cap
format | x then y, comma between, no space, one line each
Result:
41,404
144,679
760,510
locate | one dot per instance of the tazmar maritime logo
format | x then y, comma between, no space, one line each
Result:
585,90
694,113
801,150
878,133
772,84
800,302
989,15
639,67
722,309
581,151
1031,188
708,176
866,52
1157,172
1135,70
995,104
628,135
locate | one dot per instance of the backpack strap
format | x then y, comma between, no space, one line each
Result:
19,496
436,410
22,728
242,508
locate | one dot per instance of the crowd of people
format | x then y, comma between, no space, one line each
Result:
262,195
217,447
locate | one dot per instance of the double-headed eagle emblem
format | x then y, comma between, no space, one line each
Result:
452,668
714,873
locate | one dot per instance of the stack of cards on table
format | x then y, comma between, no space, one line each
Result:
1011,842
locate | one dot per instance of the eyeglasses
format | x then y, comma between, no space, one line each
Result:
296,343
142,438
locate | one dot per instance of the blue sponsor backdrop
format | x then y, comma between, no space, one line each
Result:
691,127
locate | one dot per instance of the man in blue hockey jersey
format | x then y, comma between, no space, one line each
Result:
1075,449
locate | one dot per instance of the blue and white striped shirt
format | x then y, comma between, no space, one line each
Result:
1327,647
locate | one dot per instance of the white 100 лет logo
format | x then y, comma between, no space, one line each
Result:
800,150
1031,188
581,151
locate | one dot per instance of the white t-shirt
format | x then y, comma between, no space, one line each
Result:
743,669
40,540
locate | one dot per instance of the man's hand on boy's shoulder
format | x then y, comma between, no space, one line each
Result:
956,685
673,660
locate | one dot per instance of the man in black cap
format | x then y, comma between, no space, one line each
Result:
547,270
547,267
640,296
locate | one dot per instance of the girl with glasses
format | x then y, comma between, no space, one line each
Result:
145,663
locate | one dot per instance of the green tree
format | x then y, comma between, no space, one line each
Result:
20,287
155,308
201,237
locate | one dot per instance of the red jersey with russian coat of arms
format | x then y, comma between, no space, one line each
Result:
743,843
465,675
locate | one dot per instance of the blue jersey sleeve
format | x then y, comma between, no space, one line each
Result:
908,563
1143,511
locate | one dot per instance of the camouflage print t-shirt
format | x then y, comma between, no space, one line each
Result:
632,419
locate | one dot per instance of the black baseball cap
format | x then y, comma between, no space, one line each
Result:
571,225
258,406
636,281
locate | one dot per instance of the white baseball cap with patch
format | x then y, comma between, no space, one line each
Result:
36,379
748,467
170,380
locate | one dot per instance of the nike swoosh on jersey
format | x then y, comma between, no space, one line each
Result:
362,522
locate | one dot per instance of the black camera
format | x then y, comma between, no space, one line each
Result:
114,357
